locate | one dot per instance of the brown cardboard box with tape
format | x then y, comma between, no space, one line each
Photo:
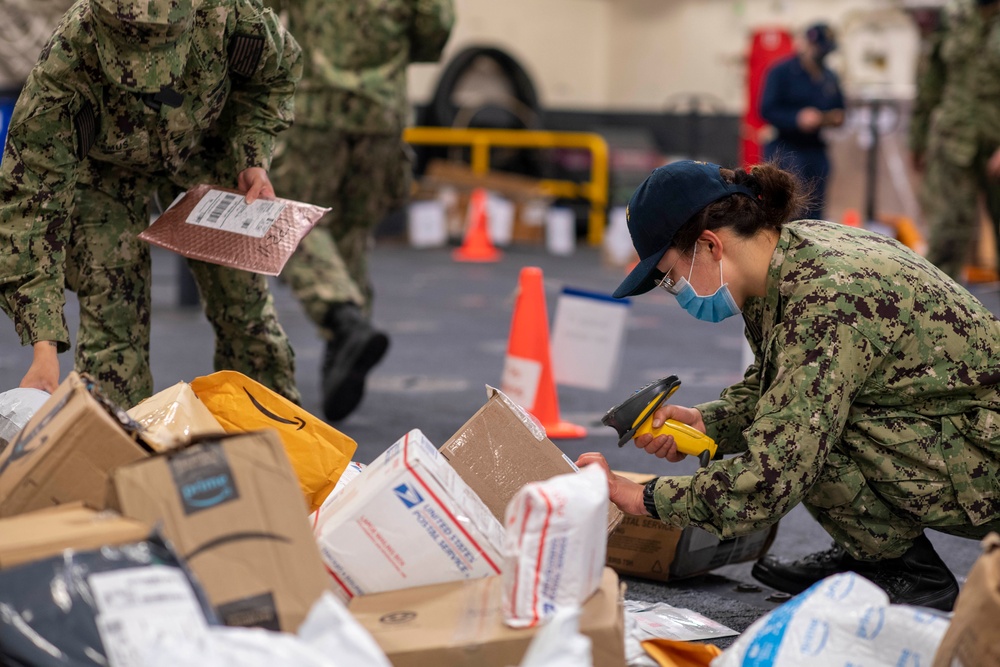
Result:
500,449
67,450
232,508
643,547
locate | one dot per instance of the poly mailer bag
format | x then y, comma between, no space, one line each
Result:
329,637
173,417
555,545
319,453
16,407
216,225
843,619
99,606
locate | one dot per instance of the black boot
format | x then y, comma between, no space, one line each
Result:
794,576
356,348
918,577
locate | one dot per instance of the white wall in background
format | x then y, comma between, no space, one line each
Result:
634,55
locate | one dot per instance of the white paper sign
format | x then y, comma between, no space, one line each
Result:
230,212
427,224
587,339
560,231
500,218
142,604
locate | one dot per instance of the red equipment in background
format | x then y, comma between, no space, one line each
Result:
767,45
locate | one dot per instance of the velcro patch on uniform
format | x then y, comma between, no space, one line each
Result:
85,123
244,54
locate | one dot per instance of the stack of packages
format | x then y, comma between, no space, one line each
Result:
216,506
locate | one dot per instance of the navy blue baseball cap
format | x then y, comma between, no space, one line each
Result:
821,35
665,202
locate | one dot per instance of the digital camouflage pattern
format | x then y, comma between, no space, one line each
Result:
143,44
345,150
357,52
360,177
873,399
84,156
962,88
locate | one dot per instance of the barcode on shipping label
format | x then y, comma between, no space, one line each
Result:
231,213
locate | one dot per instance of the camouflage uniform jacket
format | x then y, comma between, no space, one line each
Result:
862,348
930,82
967,80
354,78
69,112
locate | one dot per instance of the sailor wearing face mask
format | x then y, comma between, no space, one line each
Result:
873,398
802,96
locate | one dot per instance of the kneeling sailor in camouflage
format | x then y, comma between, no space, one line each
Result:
130,97
873,399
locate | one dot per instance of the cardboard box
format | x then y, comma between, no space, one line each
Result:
501,448
43,533
644,547
407,520
67,450
529,198
972,638
232,508
461,625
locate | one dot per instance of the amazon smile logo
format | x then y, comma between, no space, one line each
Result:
270,415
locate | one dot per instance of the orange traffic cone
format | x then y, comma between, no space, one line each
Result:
527,372
476,246
852,218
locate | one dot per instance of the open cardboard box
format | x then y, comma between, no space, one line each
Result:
68,449
644,547
460,624
501,448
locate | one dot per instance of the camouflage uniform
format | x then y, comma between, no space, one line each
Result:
345,151
930,79
873,400
964,133
84,155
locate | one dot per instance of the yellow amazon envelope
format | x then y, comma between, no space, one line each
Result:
319,453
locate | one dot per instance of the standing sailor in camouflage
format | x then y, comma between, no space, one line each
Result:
345,152
873,399
130,96
963,150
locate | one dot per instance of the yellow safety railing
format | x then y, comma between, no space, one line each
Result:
480,141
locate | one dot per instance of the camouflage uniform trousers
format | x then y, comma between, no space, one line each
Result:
870,524
109,269
951,205
360,177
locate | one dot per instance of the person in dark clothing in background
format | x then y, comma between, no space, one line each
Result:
802,96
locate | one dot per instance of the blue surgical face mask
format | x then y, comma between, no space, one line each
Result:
714,308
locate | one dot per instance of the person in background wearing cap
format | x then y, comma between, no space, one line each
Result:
801,96
130,96
345,152
962,89
873,398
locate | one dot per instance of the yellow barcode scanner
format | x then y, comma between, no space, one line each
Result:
634,417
